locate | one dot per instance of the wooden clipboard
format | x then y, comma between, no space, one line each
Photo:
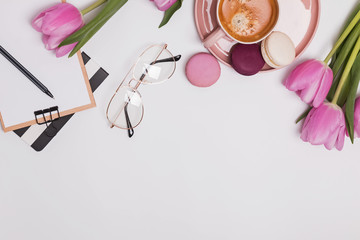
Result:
62,113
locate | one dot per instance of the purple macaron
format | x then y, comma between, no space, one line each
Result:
247,59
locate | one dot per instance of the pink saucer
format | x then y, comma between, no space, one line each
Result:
298,19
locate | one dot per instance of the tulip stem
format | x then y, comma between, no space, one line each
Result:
343,36
93,6
347,70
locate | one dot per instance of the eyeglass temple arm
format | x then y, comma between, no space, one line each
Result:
170,59
128,122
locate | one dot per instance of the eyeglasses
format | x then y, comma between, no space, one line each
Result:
155,65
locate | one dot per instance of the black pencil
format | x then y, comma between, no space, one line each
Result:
28,74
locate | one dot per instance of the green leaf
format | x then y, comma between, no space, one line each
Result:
344,92
346,49
338,64
350,103
304,115
335,83
350,18
83,35
170,12
334,58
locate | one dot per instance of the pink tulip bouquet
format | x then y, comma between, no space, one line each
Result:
64,29
330,88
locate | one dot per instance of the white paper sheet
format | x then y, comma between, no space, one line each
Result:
19,97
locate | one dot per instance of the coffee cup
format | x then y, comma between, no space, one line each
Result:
244,21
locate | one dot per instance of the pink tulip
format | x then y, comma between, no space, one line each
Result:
57,23
357,118
325,125
163,5
312,81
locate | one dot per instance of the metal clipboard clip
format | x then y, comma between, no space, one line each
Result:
48,117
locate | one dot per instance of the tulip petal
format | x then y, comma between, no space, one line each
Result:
324,88
311,80
305,130
304,75
319,126
308,94
37,23
62,51
341,139
56,24
53,42
38,20
325,125
164,5
45,40
62,15
332,138
69,28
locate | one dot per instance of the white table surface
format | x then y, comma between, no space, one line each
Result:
224,162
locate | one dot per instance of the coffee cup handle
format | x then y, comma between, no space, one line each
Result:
214,37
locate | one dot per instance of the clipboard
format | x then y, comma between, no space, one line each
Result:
66,78
39,136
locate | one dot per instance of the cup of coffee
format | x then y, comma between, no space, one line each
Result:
244,21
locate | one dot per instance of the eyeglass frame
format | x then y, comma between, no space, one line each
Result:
140,82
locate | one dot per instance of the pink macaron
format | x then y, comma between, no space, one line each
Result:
203,70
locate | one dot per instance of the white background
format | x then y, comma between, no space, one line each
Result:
224,162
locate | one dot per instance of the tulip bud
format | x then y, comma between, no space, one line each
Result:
312,81
163,5
325,125
57,23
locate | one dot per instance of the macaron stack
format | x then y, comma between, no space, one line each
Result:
277,51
